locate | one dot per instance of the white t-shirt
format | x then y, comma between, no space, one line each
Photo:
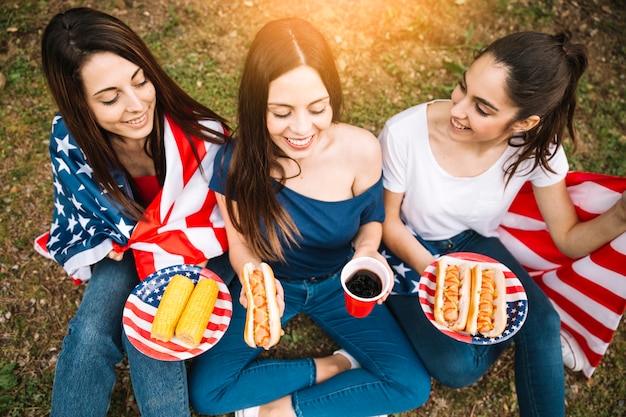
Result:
437,205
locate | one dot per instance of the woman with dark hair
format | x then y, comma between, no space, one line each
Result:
302,191
451,169
131,155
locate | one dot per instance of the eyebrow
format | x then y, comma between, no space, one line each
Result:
479,99
290,106
114,88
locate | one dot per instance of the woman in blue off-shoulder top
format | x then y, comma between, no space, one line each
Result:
302,192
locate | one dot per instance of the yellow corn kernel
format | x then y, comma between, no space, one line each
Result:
198,312
171,307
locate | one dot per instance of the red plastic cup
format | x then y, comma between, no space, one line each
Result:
359,306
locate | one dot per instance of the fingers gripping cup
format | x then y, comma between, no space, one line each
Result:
364,281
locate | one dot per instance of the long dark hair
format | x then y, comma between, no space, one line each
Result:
69,40
279,47
543,71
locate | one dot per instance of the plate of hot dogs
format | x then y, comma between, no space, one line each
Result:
473,298
177,313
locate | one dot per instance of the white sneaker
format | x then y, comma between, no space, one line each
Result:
354,364
248,412
254,412
573,356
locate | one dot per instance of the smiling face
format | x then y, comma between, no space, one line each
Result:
481,110
119,95
298,111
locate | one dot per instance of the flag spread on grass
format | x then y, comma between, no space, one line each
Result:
183,224
589,293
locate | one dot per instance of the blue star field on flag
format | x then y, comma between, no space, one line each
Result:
85,222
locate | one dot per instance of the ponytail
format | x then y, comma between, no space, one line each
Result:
542,79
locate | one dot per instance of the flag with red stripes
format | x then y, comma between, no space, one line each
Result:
589,293
183,224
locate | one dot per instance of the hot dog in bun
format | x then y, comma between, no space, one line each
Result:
452,295
263,328
487,314
470,298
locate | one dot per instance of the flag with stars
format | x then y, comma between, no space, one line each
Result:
589,293
183,223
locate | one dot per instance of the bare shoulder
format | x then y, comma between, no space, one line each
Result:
359,143
361,155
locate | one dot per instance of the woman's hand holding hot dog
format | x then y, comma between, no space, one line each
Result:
280,297
263,327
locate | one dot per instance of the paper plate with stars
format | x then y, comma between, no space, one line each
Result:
516,301
142,305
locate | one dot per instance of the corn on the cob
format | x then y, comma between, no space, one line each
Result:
171,307
198,312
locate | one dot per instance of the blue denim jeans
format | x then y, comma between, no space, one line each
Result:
85,372
539,374
392,379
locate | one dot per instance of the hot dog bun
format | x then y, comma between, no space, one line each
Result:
452,301
487,311
499,305
440,276
263,328
472,318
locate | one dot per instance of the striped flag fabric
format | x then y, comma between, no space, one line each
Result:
589,293
183,224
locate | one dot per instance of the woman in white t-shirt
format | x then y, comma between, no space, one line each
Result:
451,170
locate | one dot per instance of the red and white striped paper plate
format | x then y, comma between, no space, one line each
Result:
142,305
516,302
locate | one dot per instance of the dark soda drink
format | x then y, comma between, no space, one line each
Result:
364,284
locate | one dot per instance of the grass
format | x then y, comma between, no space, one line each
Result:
391,55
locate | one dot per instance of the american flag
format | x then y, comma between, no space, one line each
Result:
589,293
183,224
142,305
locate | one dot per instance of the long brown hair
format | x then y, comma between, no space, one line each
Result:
279,47
543,71
69,40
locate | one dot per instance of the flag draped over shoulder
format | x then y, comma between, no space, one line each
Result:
182,225
589,293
